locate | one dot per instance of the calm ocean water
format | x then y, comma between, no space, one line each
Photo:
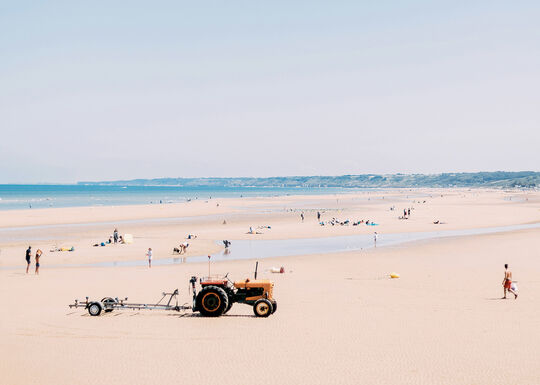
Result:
14,197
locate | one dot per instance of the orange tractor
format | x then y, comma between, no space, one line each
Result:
217,295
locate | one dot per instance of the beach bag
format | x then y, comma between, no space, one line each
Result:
514,287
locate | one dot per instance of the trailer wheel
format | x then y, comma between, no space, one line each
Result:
263,308
107,301
94,309
212,301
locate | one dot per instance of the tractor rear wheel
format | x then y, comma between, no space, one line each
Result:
94,309
228,306
230,296
263,308
274,306
212,301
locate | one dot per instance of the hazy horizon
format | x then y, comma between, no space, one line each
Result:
127,90
258,177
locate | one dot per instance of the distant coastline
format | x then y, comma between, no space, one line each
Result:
496,179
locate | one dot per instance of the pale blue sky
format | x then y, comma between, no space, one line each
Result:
101,90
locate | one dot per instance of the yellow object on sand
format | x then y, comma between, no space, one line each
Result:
394,275
65,249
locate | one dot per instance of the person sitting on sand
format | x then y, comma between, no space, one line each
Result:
507,282
183,247
38,256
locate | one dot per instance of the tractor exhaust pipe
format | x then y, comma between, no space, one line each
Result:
256,268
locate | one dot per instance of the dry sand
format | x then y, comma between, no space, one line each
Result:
340,319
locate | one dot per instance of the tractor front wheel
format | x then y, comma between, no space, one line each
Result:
212,301
263,308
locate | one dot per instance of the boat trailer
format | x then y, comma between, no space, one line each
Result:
168,301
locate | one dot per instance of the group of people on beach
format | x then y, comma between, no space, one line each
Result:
406,213
302,216
29,259
181,249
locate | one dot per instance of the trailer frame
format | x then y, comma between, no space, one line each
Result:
108,304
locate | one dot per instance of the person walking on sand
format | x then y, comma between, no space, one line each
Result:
149,256
38,256
375,239
507,282
28,257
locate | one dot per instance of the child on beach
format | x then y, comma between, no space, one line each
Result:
149,256
38,256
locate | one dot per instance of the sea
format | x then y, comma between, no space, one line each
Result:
16,197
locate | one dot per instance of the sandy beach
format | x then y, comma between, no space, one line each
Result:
341,320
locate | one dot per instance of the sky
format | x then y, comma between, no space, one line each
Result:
107,90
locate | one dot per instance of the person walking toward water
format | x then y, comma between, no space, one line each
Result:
375,239
38,256
507,282
28,257
149,256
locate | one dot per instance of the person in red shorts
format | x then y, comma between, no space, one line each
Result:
507,282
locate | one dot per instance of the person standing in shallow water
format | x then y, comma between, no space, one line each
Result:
302,216
28,258
507,282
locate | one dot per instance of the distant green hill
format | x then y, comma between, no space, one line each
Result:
501,179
